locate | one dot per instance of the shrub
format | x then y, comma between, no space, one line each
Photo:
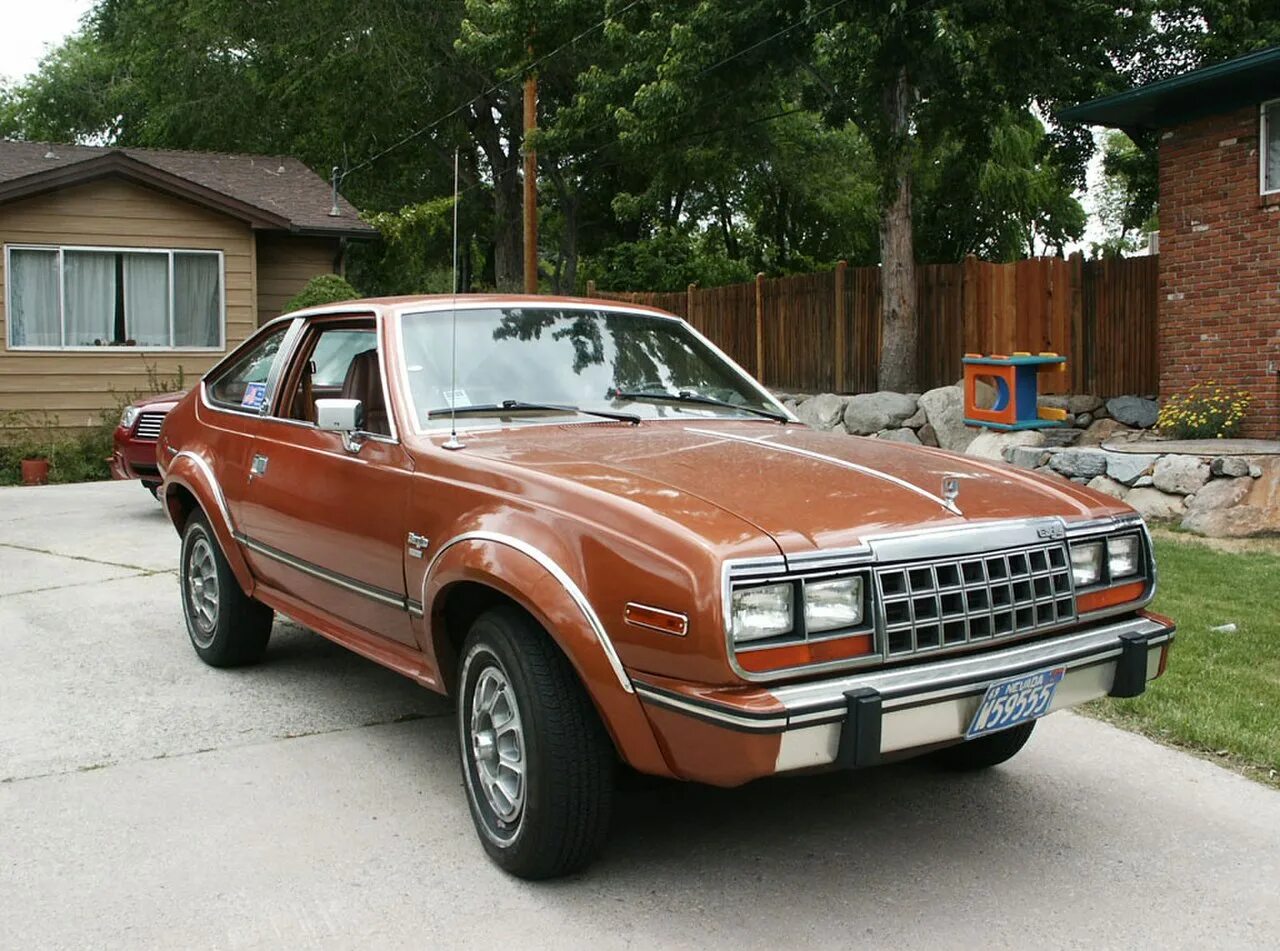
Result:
322,289
1206,411
74,455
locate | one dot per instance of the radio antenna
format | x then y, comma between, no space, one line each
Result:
453,442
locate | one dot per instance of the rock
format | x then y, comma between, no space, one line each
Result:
1134,411
1084,420
927,436
1100,430
1232,467
1108,486
984,393
1083,403
899,435
1181,474
1061,436
1144,481
991,444
1025,457
1255,471
1237,521
791,405
1128,467
869,413
1079,463
944,408
823,412
1219,494
916,420
1155,505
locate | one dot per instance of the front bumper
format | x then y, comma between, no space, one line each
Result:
133,458
863,718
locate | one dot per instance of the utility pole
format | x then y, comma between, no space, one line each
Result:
530,186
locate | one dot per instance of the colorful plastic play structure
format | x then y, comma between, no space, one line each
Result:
1016,379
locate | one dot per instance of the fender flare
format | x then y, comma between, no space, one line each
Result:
192,471
535,581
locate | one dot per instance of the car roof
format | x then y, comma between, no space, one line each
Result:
388,305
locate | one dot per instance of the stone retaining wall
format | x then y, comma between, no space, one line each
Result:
1206,494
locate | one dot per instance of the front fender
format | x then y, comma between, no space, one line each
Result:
190,471
532,579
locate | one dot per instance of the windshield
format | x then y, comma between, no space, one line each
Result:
591,360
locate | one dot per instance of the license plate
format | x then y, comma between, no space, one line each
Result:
1016,700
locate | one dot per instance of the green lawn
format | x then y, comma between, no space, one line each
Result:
1221,693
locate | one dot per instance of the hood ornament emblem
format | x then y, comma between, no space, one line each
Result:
951,492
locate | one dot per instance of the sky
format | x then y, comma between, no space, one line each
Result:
30,28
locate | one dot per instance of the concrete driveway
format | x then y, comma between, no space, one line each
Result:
315,802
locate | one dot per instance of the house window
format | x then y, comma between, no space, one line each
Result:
1270,146
70,298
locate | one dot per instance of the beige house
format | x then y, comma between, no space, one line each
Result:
123,265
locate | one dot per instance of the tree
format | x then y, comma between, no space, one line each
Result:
1126,201
912,75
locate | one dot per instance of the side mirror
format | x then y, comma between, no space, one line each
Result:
342,416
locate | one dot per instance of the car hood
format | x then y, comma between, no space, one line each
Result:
159,400
806,489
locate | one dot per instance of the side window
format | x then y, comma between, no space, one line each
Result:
341,362
243,385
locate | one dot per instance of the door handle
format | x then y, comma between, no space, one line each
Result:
258,466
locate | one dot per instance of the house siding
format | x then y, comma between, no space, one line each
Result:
285,264
76,387
1219,301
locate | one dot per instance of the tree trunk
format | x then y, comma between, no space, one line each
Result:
508,192
897,250
567,193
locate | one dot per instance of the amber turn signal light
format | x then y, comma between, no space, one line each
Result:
799,655
1110,597
656,619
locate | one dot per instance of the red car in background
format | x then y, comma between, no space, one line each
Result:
134,456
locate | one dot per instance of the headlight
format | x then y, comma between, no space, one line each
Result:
1086,563
129,416
833,604
762,612
1122,556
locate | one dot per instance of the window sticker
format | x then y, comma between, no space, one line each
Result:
255,394
456,398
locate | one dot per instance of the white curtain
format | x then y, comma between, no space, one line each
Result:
146,299
90,311
33,299
197,310
1273,147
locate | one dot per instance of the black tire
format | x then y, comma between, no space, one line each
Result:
986,751
566,793
230,629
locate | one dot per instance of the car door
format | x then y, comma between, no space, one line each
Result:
233,397
323,523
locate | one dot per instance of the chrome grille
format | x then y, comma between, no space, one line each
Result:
945,603
148,426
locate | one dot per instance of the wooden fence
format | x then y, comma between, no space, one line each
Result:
821,332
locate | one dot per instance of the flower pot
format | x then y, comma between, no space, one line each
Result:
35,471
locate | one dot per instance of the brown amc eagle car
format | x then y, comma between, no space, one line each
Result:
631,551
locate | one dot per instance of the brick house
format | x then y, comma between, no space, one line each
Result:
121,265
1219,306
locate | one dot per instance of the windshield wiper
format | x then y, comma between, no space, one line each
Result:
497,409
685,396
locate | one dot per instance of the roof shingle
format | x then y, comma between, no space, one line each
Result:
280,186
